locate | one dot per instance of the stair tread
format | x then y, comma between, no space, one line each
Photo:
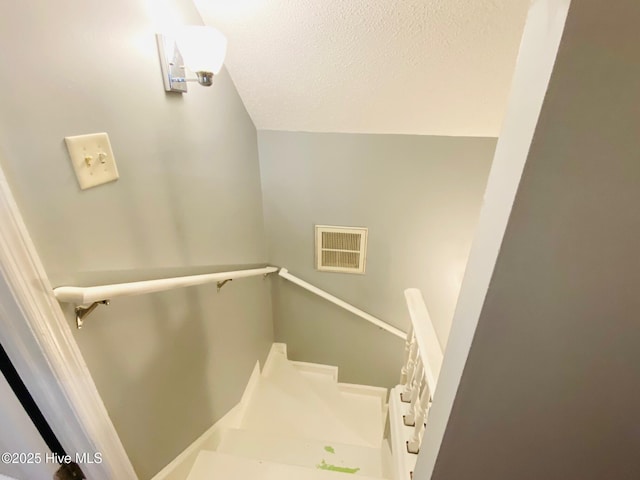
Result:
329,372
361,412
214,466
272,410
302,452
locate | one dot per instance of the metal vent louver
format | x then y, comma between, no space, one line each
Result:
341,249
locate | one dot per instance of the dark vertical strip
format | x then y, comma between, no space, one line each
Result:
29,405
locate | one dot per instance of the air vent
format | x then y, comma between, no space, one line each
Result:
341,249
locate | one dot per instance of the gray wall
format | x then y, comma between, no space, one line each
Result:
188,197
419,197
552,383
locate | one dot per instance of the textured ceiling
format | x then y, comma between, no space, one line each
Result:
432,67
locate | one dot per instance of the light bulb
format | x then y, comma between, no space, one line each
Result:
203,50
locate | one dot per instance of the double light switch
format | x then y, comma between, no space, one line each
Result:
92,159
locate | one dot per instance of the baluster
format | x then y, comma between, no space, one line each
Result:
413,445
407,351
411,368
415,392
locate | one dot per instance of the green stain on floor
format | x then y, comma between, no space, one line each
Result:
334,468
329,449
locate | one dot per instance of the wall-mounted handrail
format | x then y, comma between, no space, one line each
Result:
103,293
284,273
87,295
429,348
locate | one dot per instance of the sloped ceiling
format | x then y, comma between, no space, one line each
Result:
432,67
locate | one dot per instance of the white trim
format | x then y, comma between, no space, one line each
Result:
537,55
330,371
19,435
40,343
380,393
247,395
284,273
180,466
403,462
426,337
86,295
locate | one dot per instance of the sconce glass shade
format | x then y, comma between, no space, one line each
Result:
203,49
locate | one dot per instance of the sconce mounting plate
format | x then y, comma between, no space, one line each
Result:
171,64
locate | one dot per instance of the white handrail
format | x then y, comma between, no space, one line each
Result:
428,345
284,273
87,295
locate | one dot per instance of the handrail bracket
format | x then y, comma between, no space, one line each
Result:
83,312
223,283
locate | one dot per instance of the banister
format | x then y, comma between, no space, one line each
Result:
410,401
103,293
284,273
87,295
428,345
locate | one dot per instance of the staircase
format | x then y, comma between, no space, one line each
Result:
296,421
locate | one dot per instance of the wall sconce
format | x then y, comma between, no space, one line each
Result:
200,49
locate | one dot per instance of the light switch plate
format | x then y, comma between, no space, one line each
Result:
92,159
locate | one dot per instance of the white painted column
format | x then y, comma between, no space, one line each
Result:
417,385
405,395
411,339
422,407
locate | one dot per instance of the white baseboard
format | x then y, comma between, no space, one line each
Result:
377,392
180,466
317,369
248,392
277,350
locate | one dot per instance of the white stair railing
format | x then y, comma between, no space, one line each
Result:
420,410
414,389
102,294
284,273
409,356
410,401
407,381
87,299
